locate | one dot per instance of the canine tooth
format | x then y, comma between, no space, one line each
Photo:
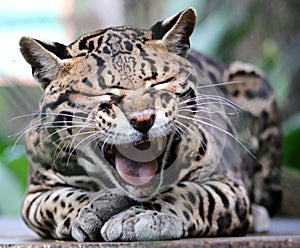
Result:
159,143
124,145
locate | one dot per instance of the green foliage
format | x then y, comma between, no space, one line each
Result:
291,129
14,157
272,63
12,178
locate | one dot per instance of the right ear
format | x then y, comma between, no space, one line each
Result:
44,58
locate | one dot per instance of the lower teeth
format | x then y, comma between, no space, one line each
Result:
159,143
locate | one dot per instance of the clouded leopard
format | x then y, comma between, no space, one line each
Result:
137,137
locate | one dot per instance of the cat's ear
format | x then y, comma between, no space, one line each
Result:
44,58
175,31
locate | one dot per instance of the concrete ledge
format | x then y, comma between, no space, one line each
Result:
283,233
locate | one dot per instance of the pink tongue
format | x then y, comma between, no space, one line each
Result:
133,172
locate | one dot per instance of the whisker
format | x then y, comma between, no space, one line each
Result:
23,116
176,129
70,142
204,98
39,123
45,125
95,134
49,114
220,84
208,110
222,130
61,130
104,144
193,132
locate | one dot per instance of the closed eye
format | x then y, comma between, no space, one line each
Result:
164,82
162,85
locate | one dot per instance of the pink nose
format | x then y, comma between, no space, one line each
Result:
142,120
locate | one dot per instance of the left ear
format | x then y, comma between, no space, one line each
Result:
46,59
175,31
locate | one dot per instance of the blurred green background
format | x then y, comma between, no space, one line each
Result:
266,33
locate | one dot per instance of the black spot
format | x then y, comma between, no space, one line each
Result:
62,204
207,229
105,105
55,198
101,81
240,210
235,93
249,94
224,223
186,215
157,207
67,223
128,46
69,194
181,185
106,50
87,82
202,150
100,61
47,197
166,68
139,46
192,228
91,46
172,211
201,208
82,198
258,168
70,210
169,199
236,185
166,97
154,75
83,42
184,84
222,195
224,89
262,93
212,77
211,207
63,97
191,197
49,214
238,73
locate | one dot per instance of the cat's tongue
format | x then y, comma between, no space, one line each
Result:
134,172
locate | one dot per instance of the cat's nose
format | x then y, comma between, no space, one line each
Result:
142,120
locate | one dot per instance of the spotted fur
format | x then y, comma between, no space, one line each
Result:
119,86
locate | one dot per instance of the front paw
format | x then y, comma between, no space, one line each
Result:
88,223
139,224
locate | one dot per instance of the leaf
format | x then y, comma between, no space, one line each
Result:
10,192
291,142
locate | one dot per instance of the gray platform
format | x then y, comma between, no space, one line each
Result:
283,233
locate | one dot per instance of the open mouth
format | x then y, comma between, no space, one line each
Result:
138,163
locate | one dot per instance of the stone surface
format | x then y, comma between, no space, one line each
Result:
283,233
